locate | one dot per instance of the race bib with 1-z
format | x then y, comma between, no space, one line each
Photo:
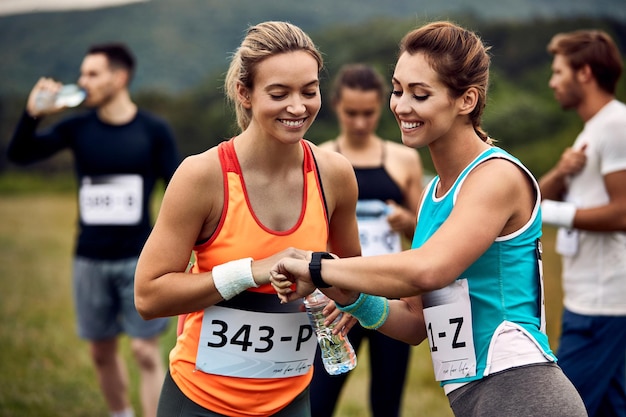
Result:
448,317
111,200
249,344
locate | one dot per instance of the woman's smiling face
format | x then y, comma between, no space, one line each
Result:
420,102
286,96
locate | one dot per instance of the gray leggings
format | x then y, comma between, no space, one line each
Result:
173,403
538,390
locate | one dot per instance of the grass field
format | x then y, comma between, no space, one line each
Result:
45,369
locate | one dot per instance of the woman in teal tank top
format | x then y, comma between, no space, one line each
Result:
472,283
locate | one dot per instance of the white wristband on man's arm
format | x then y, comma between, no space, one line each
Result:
558,213
233,277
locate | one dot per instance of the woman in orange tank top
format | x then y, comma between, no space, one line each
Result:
238,208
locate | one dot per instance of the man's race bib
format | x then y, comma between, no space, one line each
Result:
111,200
448,317
567,241
376,236
250,344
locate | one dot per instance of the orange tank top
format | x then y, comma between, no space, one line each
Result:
240,235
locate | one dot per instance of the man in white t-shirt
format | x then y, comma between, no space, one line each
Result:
585,196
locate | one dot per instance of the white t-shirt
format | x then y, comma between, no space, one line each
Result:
594,274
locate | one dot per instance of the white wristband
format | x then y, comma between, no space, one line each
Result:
233,277
558,213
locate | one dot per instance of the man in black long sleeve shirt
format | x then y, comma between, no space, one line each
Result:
120,152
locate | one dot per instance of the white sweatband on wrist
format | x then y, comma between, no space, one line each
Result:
370,310
233,277
558,213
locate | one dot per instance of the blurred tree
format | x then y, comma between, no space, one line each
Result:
521,112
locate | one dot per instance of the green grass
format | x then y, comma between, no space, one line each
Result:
20,183
45,370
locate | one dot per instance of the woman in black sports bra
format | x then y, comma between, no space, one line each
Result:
389,177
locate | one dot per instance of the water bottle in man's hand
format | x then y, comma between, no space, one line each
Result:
70,95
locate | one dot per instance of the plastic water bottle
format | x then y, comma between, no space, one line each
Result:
70,95
338,354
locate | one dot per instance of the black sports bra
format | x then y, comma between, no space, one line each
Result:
375,183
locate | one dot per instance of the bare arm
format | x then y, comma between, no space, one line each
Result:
553,183
162,287
609,217
405,165
405,321
606,218
341,193
496,199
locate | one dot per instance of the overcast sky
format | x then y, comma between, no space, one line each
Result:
30,6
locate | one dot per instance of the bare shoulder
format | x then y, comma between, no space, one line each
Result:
400,153
405,166
503,189
195,195
325,151
198,176
201,167
500,175
330,145
334,167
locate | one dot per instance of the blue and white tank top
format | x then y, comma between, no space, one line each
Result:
500,292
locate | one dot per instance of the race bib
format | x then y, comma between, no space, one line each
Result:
111,200
376,236
448,317
249,344
567,241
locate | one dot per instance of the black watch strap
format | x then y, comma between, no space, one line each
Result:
315,268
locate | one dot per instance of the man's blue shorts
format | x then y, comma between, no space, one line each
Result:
104,295
592,353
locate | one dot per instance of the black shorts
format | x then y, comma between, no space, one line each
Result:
173,403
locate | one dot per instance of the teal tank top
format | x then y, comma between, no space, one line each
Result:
503,286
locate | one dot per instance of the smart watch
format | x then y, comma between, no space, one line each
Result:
315,268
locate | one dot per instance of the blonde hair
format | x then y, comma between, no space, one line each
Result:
460,59
262,41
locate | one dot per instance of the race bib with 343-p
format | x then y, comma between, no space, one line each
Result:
251,344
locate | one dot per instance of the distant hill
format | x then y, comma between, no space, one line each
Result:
180,42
